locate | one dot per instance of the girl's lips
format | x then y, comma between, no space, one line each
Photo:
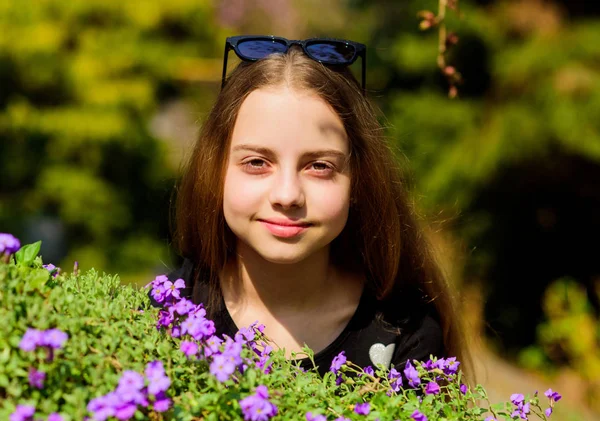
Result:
284,231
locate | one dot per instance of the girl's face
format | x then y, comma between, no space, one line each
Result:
288,164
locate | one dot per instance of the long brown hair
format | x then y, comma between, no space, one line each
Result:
383,235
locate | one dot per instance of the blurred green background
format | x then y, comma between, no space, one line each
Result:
101,99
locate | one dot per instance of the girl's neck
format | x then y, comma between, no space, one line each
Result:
249,281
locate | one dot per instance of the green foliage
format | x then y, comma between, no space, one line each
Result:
528,89
27,254
569,336
79,82
111,328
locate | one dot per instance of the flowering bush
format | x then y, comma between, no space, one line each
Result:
85,347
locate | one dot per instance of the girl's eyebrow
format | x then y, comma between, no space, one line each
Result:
271,154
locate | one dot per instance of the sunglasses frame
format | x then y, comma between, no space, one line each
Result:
360,50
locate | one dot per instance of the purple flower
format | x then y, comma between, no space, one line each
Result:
553,396
157,379
131,392
130,385
517,398
418,416
199,311
451,366
262,391
342,419
490,418
362,408
245,334
396,378
54,338
162,405
548,412
9,244
54,271
104,407
172,288
55,416
203,329
36,378
23,413
31,339
257,327
211,345
232,352
248,403
158,384
316,417
264,355
432,388
339,380
159,293
183,306
412,375
369,370
159,280
521,411
221,367
338,362
256,407
165,318
189,348
126,411
463,389
429,365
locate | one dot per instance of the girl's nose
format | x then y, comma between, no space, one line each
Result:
287,190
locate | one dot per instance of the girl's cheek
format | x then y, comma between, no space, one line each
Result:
332,204
241,192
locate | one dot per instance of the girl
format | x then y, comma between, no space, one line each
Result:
292,211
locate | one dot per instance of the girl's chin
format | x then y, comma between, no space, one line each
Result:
283,258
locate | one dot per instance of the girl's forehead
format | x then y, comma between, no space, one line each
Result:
283,117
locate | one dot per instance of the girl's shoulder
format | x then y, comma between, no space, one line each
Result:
417,331
425,338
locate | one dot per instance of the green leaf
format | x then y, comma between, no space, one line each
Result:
38,278
27,254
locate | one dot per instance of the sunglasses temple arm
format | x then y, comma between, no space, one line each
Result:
224,65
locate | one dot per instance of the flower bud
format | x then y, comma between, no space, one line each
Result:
449,70
425,24
426,14
451,39
452,92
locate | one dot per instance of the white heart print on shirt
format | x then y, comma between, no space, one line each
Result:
382,354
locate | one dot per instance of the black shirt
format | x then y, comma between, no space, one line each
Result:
367,339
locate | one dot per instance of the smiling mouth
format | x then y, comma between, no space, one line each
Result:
285,223
284,231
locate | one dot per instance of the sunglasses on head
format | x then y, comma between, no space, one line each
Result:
328,51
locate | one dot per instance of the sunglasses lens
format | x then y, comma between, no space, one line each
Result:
331,52
256,49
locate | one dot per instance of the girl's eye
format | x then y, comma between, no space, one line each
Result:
256,165
322,167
